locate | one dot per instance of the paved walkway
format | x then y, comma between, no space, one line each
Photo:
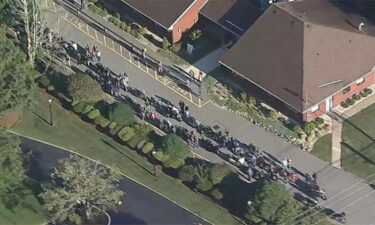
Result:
336,143
345,191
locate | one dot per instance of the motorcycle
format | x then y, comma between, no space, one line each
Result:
310,202
339,217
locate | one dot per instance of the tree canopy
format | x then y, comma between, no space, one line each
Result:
79,186
174,151
16,76
12,170
81,87
121,113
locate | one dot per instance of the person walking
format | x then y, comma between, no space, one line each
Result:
144,53
289,163
315,176
160,67
186,110
285,164
182,105
68,60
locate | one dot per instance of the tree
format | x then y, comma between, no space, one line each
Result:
16,76
121,113
3,3
12,170
81,87
218,172
175,149
272,205
79,187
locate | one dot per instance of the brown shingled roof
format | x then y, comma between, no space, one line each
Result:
295,47
164,12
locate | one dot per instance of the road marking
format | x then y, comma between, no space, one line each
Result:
71,21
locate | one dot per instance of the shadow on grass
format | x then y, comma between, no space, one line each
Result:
110,145
358,153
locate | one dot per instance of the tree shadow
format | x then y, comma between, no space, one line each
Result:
110,145
124,218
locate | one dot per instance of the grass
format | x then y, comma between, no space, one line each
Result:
358,149
323,148
24,208
72,133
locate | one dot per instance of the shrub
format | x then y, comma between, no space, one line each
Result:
98,120
159,155
368,91
123,131
344,104
319,121
112,125
50,88
104,123
165,43
124,25
218,172
216,194
81,87
195,35
87,109
121,113
93,114
141,144
133,142
356,97
44,81
127,136
187,173
142,130
148,147
115,130
204,186
176,47
172,145
78,108
135,33
272,114
128,28
297,129
173,162
350,101
309,127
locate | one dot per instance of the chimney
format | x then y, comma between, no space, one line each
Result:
360,26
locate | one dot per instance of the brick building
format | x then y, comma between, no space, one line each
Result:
305,57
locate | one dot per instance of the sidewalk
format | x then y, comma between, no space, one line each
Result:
346,192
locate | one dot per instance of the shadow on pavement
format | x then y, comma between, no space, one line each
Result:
127,219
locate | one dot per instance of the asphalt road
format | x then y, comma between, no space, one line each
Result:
140,205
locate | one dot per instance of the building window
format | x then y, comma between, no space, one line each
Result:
195,20
360,81
346,90
314,108
179,30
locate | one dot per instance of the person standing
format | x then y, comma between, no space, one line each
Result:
82,7
182,105
186,110
315,176
160,67
285,164
289,163
144,53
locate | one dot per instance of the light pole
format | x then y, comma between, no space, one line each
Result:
50,111
154,161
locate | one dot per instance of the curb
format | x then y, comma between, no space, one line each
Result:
71,151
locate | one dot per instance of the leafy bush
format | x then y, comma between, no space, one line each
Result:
216,194
309,127
123,131
344,104
133,142
272,114
121,113
195,35
115,130
204,186
143,30
319,121
104,123
218,172
187,173
142,130
176,47
50,88
93,114
112,125
350,101
128,28
173,162
87,109
81,87
356,97
141,144
297,129
363,94
44,81
135,33
78,108
148,147
165,43
159,155
127,136
98,120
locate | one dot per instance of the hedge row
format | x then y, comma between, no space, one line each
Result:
350,101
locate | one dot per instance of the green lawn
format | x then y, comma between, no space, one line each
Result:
72,133
23,209
358,149
323,148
